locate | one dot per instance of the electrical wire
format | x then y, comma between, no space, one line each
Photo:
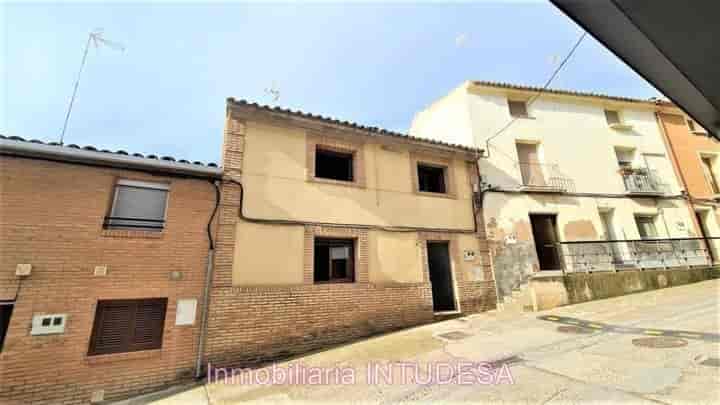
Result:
540,92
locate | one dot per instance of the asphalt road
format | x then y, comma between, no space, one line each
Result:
592,352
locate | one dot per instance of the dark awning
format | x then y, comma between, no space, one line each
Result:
672,44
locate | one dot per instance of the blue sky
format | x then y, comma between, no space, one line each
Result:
373,63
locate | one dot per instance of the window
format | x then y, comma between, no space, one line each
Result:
612,117
127,325
625,157
138,205
646,226
707,163
518,109
333,165
6,309
334,260
431,179
691,125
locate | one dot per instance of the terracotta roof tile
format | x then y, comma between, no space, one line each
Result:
373,131
94,149
569,92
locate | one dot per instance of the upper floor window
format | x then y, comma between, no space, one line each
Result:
694,127
612,117
334,165
431,178
708,170
646,226
333,260
625,157
518,109
138,205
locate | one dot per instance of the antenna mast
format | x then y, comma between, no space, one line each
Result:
96,38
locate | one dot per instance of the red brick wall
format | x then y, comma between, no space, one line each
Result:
51,216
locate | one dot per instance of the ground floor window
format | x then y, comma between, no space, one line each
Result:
646,226
6,309
333,260
128,325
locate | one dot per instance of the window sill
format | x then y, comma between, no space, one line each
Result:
345,183
433,194
620,127
523,117
115,357
132,234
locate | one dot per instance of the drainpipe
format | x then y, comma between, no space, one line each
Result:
208,283
481,204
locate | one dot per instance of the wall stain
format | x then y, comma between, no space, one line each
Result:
580,230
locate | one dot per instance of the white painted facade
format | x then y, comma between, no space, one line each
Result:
576,159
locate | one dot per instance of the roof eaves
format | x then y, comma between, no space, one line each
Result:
16,145
372,131
573,93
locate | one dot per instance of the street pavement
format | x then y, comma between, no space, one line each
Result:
587,353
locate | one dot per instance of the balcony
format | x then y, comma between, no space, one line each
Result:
643,182
544,178
617,255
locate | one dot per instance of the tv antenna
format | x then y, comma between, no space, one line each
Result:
273,92
96,39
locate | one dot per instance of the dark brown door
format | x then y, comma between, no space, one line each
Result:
704,234
440,276
545,235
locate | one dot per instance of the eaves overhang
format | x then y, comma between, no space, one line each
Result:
673,45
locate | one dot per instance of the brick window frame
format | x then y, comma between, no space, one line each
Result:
455,257
434,161
361,258
340,145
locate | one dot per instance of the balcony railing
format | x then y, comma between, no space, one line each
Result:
643,182
544,177
616,255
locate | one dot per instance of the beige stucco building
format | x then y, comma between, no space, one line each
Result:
331,231
564,167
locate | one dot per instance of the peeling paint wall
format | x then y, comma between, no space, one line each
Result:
578,219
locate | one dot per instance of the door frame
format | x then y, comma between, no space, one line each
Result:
560,260
453,274
701,216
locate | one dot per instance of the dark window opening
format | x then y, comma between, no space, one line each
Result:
128,325
334,165
334,260
646,227
6,309
518,109
431,179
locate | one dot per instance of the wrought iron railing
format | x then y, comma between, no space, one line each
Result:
616,255
544,176
646,181
134,223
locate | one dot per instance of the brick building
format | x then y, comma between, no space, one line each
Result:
96,303
330,231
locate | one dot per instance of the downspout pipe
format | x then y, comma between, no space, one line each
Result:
208,283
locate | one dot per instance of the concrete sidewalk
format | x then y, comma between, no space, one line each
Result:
546,365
